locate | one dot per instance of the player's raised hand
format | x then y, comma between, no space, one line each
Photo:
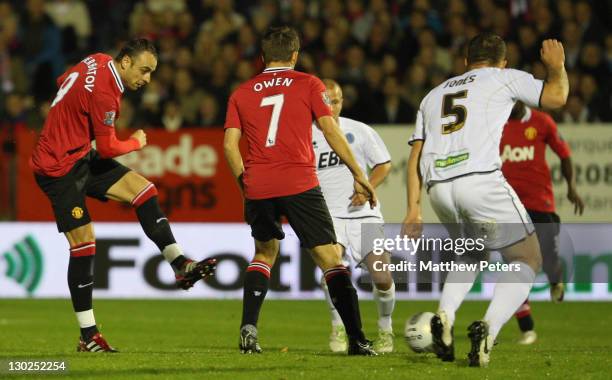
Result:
141,136
412,226
363,186
552,54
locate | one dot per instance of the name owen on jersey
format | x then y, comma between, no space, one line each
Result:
274,82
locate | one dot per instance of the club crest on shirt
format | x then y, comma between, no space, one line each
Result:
350,138
109,118
531,133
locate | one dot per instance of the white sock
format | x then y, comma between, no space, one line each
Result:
86,318
456,287
511,290
385,302
336,320
171,252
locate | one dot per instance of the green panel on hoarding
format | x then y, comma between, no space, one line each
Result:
26,263
12,267
584,266
38,263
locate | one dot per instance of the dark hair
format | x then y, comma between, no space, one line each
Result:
486,47
279,43
134,47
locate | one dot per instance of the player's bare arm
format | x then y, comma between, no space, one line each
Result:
231,146
377,176
556,87
338,143
413,223
567,169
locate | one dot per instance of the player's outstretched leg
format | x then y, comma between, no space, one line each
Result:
442,332
157,228
385,303
482,342
344,297
383,290
510,292
526,324
256,283
548,229
142,195
80,282
338,341
456,287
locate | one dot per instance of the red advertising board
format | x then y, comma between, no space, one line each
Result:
188,167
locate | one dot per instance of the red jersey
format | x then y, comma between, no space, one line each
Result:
86,106
275,111
523,153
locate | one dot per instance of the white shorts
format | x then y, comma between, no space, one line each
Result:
485,203
349,235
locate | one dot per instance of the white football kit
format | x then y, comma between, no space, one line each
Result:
460,123
337,185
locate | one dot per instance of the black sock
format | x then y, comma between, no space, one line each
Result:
80,279
154,223
344,298
523,317
88,332
178,263
80,283
256,282
525,323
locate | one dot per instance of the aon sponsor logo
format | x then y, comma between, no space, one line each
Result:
517,154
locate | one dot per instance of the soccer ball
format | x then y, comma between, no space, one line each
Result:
417,332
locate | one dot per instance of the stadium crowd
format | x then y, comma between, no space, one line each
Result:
387,54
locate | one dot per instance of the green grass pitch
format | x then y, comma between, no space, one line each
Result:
198,339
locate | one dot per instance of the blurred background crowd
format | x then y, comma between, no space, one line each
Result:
387,54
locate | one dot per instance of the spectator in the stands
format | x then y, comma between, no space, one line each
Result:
397,110
186,96
213,44
575,111
172,119
72,17
40,43
208,112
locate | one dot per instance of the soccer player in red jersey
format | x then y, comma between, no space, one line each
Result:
275,111
68,169
523,153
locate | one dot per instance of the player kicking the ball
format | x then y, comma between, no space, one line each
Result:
275,111
67,169
530,177
349,211
455,152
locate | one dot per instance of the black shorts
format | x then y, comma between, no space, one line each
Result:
306,212
90,176
548,228
539,217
